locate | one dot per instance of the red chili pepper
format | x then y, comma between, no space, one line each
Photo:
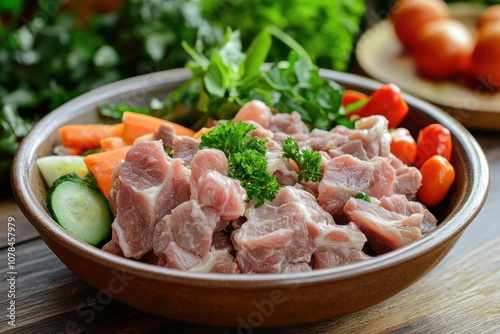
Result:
434,139
403,145
387,101
352,96
437,177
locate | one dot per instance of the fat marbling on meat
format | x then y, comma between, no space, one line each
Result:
345,176
386,230
150,185
283,235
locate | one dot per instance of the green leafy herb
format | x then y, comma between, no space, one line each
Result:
326,29
224,78
308,161
363,196
246,159
12,129
48,59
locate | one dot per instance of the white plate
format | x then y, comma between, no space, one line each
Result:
380,55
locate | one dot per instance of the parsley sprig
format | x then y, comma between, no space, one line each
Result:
363,196
246,159
308,161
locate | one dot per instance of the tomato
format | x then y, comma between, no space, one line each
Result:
403,145
408,16
485,64
443,48
434,139
352,96
490,14
437,177
387,101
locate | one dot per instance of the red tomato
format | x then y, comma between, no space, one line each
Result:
443,48
387,101
408,16
403,145
485,64
490,14
437,177
432,140
351,96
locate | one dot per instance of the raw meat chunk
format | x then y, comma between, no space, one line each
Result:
346,176
149,186
386,230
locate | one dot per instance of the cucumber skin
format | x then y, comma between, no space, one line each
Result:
107,217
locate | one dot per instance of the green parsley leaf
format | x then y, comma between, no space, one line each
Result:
250,167
363,196
246,159
308,161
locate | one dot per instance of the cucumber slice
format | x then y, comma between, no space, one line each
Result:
80,209
54,166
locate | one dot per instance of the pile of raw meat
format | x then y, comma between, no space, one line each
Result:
186,213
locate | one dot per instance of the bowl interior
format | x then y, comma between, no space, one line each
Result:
459,208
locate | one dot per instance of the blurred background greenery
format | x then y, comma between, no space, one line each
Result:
54,50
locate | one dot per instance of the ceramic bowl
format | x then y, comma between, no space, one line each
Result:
248,300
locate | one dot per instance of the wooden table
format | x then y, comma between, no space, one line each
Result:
460,295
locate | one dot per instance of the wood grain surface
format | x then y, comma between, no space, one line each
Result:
460,295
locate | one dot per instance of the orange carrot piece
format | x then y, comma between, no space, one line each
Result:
294,165
137,125
63,150
88,136
201,132
102,164
112,143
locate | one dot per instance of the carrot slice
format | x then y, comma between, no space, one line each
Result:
112,143
88,136
137,125
102,164
201,132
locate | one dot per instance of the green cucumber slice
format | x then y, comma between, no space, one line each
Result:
80,209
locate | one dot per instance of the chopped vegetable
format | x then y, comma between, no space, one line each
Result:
112,143
437,177
80,209
246,159
53,167
433,139
403,145
352,96
102,164
136,125
87,136
387,101
364,197
308,162
200,132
